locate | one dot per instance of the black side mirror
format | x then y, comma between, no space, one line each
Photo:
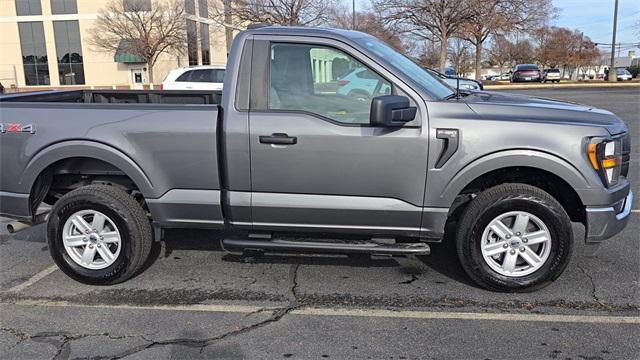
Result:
391,110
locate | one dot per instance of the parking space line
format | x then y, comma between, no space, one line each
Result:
34,279
371,313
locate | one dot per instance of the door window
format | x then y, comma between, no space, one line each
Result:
323,81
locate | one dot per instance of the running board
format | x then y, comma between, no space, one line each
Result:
366,247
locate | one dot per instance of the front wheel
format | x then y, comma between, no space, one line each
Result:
99,234
514,237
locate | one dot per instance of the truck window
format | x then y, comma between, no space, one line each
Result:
323,81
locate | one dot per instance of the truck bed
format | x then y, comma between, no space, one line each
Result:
165,141
117,97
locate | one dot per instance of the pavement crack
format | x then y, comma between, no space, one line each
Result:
594,292
413,278
277,314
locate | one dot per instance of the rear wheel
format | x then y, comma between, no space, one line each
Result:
514,237
99,234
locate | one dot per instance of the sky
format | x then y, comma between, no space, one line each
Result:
593,17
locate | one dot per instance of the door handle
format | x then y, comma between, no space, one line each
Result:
278,139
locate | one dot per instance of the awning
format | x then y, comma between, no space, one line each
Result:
124,53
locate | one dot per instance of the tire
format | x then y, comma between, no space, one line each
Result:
127,235
517,199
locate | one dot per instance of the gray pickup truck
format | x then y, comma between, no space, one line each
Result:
285,150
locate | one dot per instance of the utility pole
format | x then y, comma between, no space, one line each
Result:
353,16
612,70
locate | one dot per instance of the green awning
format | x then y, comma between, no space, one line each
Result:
125,54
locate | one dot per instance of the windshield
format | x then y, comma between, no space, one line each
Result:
623,71
404,65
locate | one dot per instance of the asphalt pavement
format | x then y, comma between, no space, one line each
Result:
195,301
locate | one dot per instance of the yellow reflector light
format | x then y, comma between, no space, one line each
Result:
593,156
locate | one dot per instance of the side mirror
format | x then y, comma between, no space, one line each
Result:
391,110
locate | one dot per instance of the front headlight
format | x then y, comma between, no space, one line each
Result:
606,158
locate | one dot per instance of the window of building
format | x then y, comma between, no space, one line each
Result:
28,7
34,53
64,7
324,81
190,7
192,42
205,48
69,52
203,10
136,5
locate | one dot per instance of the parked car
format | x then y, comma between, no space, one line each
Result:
195,78
118,167
362,84
1,88
623,74
552,75
526,73
501,77
448,71
465,84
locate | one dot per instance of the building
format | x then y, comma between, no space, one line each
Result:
44,44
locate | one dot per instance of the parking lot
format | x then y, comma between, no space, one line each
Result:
195,301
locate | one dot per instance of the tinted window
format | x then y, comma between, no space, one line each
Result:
205,48
218,75
69,52
185,76
28,7
34,53
64,7
192,42
557,71
203,10
526,67
323,81
190,6
137,5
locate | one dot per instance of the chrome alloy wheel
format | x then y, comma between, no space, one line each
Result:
516,244
91,239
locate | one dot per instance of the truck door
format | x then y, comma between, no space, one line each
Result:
316,163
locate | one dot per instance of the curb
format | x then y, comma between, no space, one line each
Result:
562,86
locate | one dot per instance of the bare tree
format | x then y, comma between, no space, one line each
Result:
500,52
460,57
369,23
280,12
140,30
429,54
429,19
491,17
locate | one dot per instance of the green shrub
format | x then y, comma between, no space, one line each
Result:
634,70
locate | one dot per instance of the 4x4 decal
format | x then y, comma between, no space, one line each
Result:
17,128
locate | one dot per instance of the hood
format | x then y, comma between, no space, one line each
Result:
503,106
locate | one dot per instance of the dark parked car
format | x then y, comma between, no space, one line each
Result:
1,88
526,73
278,155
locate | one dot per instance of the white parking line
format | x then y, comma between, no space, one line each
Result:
370,313
34,279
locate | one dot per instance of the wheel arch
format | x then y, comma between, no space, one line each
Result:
543,170
85,155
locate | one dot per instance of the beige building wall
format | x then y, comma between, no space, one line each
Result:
100,69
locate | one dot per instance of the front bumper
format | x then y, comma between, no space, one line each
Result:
605,222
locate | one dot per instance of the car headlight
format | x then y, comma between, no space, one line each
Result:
606,159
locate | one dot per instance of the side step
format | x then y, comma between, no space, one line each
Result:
363,247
